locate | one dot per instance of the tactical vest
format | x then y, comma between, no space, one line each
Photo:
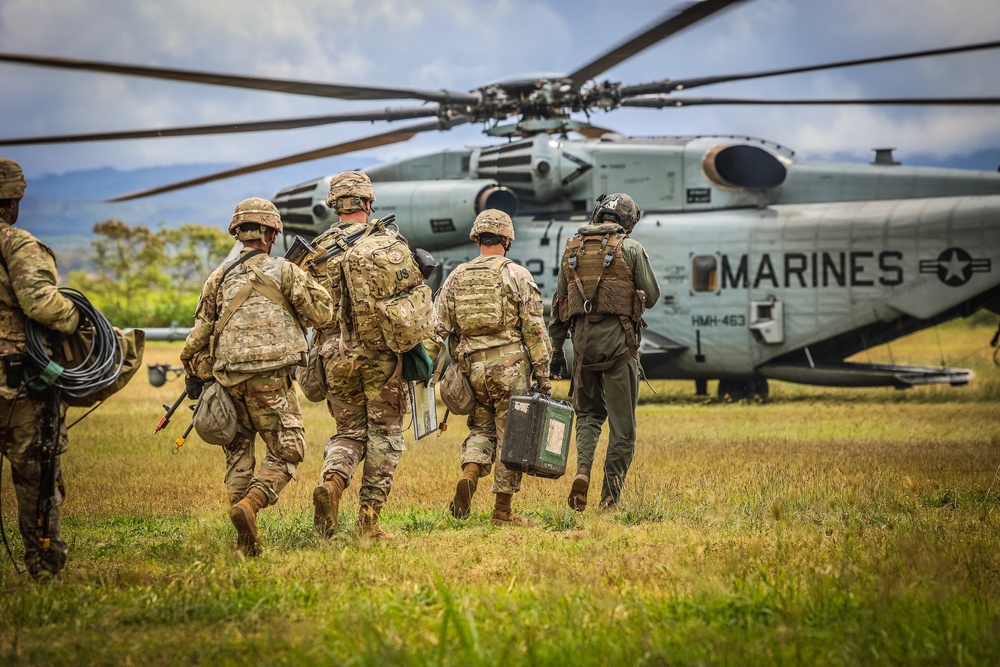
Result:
477,297
261,335
599,280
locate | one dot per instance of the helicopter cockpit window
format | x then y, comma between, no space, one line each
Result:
704,273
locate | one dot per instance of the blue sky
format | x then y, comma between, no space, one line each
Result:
461,45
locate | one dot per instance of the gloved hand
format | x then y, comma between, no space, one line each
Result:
558,368
193,385
544,386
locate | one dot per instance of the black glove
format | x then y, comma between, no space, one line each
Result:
558,368
193,385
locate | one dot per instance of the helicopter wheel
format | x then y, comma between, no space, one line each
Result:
753,389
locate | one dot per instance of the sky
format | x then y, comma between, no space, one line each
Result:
460,45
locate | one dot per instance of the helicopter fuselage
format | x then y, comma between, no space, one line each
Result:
769,267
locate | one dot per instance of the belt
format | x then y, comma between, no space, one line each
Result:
496,352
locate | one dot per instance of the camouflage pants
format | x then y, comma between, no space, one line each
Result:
23,437
367,399
268,405
494,381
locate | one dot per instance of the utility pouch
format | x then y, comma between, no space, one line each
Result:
13,369
456,392
313,378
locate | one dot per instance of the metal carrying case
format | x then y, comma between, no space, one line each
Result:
536,441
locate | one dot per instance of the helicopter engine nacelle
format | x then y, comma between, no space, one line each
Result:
539,169
439,214
721,175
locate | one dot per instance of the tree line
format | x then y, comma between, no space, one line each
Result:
146,278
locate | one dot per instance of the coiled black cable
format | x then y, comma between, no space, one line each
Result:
103,362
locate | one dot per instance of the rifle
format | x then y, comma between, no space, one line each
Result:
171,409
299,249
48,452
342,245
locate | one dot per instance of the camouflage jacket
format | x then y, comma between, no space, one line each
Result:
310,302
28,290
521,319
608,331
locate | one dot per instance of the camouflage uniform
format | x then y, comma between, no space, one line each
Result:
366,392
501,360
254,361
605,395
28,289
498,365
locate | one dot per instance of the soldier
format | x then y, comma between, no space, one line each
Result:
605,283
28,291
249,333
491,311
365,390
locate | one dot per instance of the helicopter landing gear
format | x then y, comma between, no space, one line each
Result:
751,389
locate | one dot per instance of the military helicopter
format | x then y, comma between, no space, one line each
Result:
771,267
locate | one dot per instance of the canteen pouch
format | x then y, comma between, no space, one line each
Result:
215,415
313,381
456,392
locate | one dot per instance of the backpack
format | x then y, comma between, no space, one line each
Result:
390,306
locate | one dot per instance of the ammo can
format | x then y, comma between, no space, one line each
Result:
536,441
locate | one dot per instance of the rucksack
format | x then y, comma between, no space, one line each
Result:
390,306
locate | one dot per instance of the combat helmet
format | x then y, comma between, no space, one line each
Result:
255,210
618,207
347,189
12,182
494,221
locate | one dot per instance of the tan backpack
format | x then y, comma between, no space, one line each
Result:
390,306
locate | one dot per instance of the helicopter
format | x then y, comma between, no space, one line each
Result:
771,267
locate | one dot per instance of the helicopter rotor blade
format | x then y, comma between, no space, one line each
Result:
670,85
334,90
388,114
665,101
650,36
384,139
592,131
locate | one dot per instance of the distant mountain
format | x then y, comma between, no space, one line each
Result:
63,209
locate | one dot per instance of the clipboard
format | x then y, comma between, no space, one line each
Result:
424,406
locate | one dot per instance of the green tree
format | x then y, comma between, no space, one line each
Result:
191,252
127,262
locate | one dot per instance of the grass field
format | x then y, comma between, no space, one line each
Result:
831,526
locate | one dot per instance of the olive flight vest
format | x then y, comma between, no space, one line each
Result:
599,280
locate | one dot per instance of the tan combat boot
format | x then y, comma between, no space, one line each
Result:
326,506
503,515
244,516
578,492
462,502
368,524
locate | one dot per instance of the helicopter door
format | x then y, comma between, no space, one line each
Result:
767,321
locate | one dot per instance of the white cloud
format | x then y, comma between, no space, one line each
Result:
460,45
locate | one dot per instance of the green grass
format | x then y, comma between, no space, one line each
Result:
825,527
